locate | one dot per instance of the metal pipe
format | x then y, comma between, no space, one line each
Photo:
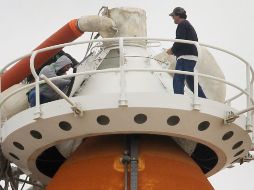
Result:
67,33
37,86
245,110
134,162
58,91
126,176
232,54
2,70
195,97
233,98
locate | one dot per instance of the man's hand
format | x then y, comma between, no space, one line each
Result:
169,51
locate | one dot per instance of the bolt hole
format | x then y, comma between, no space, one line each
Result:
203,125
238,153
173,120
235,161
18,145
65,126
35,134
14,156
227,135
237,145
103,120
140,118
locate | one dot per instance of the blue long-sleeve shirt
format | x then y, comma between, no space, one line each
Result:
185,31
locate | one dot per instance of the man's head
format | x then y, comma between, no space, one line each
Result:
62,65
64,69
178,15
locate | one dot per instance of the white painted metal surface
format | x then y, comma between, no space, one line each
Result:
158,107
137,86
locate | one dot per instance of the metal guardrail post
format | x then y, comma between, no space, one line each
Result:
195,96
252,113
249,126
37,113
196,104
123,100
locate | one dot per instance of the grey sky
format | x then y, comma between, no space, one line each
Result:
224,23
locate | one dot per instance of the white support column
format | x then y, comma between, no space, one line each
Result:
123,100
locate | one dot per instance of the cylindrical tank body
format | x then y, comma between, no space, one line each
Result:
135,57
162,165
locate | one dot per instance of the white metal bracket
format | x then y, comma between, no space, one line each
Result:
196,106
230,117
77,110
123,103
249,157
37,114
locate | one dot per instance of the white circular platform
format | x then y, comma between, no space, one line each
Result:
24,139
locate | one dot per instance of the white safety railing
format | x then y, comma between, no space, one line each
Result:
248,91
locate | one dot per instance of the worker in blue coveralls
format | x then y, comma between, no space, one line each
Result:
186,54
47,94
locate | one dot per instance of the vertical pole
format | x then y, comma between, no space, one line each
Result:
126,162
252,113
125,176
196,104
195,97
123,100
37,86
248,100
134,162
37,98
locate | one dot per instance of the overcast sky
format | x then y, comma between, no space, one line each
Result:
225,23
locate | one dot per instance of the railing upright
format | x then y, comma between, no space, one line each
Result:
252,113
123,100
249,104
37,86
196,105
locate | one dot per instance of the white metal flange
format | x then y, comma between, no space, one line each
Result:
24,139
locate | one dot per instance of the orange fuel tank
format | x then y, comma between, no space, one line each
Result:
162,165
